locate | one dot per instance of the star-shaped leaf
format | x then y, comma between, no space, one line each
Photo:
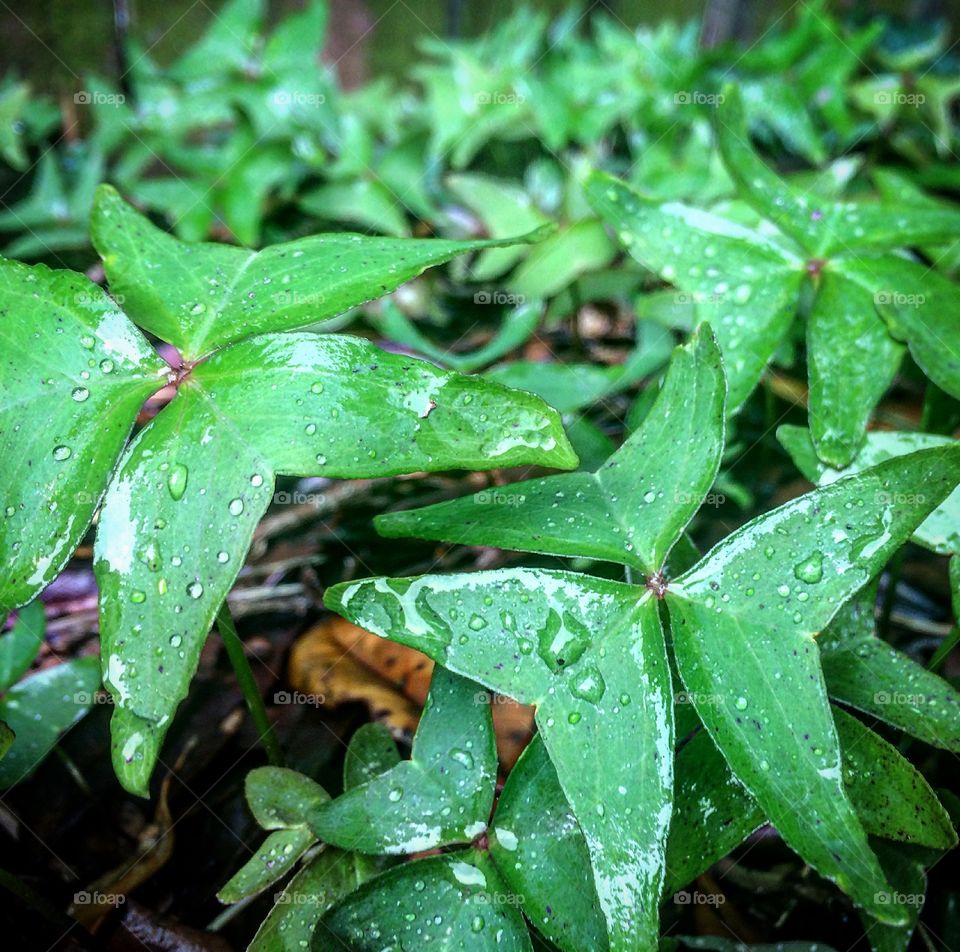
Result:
743,620
866,299
188,491
822,228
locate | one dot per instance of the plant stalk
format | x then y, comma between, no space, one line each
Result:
248,684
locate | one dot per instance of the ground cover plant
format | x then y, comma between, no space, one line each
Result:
560,439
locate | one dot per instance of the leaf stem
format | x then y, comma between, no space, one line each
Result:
248,684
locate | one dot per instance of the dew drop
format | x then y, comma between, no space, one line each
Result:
235,507
194,589
177,481
810,570
62,452
80,394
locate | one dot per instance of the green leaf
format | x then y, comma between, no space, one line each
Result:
280,799
361,202
589,654
40,709
712,812
19,646
7,738
442,795
75,373
505,209
745,285
906,870
844,392
891,796
940,531
631,510
401,909
562,258
372,752
271,861
822,228
280,403
202,296
540,851
518,324
866,673
571,387
743,621
228,43
919,306
324,880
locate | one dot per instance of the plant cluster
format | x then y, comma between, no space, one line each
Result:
690,687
